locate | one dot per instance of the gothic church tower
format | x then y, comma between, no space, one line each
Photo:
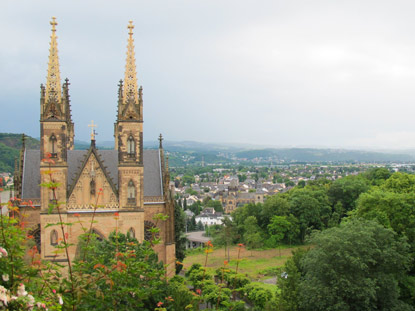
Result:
128,133
56,126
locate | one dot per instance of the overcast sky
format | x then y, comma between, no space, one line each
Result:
282,73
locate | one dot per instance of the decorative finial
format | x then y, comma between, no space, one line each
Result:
130,78
53,23
130,27
53,82
161,141
92,126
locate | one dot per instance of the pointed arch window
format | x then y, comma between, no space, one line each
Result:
131,146
131,193
53,146
54,237
92,186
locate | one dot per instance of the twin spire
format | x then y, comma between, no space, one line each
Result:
53,82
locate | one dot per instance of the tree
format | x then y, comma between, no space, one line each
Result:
217,205
252,236
188,180
274,205
127,275
241,177
356,266
377,176
289,281
277,229
227,235
179,235
311,208
346,190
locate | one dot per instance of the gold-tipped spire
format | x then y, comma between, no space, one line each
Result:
53,82
130,79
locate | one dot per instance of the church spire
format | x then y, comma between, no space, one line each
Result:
130,78
53,82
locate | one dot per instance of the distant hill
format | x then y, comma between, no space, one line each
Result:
15,141
193,153
10,145
321,155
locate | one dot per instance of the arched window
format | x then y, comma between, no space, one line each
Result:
131,232
54,237
53,149
131,146
131,192
97,235
92,186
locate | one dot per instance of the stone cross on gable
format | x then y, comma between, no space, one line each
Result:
92,126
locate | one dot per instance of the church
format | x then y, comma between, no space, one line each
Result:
128,181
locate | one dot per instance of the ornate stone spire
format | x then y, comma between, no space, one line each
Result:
53,82
130,79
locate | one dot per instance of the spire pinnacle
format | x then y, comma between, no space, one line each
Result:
130,79
53,82
93,133
161,141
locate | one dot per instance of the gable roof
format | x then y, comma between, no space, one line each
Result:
92,151
76,158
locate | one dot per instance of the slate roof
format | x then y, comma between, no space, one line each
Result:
31,170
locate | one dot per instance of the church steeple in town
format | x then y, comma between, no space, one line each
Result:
57,128
53,82
51,95
130,77
130,97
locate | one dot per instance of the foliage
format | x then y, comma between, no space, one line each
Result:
126,275
289,281
346,191
257,295
179,235
356,266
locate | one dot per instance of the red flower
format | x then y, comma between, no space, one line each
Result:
76,215
116,214
159,304
241,245
198,291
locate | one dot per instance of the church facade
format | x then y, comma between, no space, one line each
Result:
123,188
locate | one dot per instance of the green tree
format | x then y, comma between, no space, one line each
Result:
217,205
289,282
346,190
311,208
227,235
277,230
377,176
127,275
252,236
275,205
188,180
356,266
179,234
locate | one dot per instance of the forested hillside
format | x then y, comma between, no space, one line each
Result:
10,145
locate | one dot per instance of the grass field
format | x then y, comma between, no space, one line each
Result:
256,264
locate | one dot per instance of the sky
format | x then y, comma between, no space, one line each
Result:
337,74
